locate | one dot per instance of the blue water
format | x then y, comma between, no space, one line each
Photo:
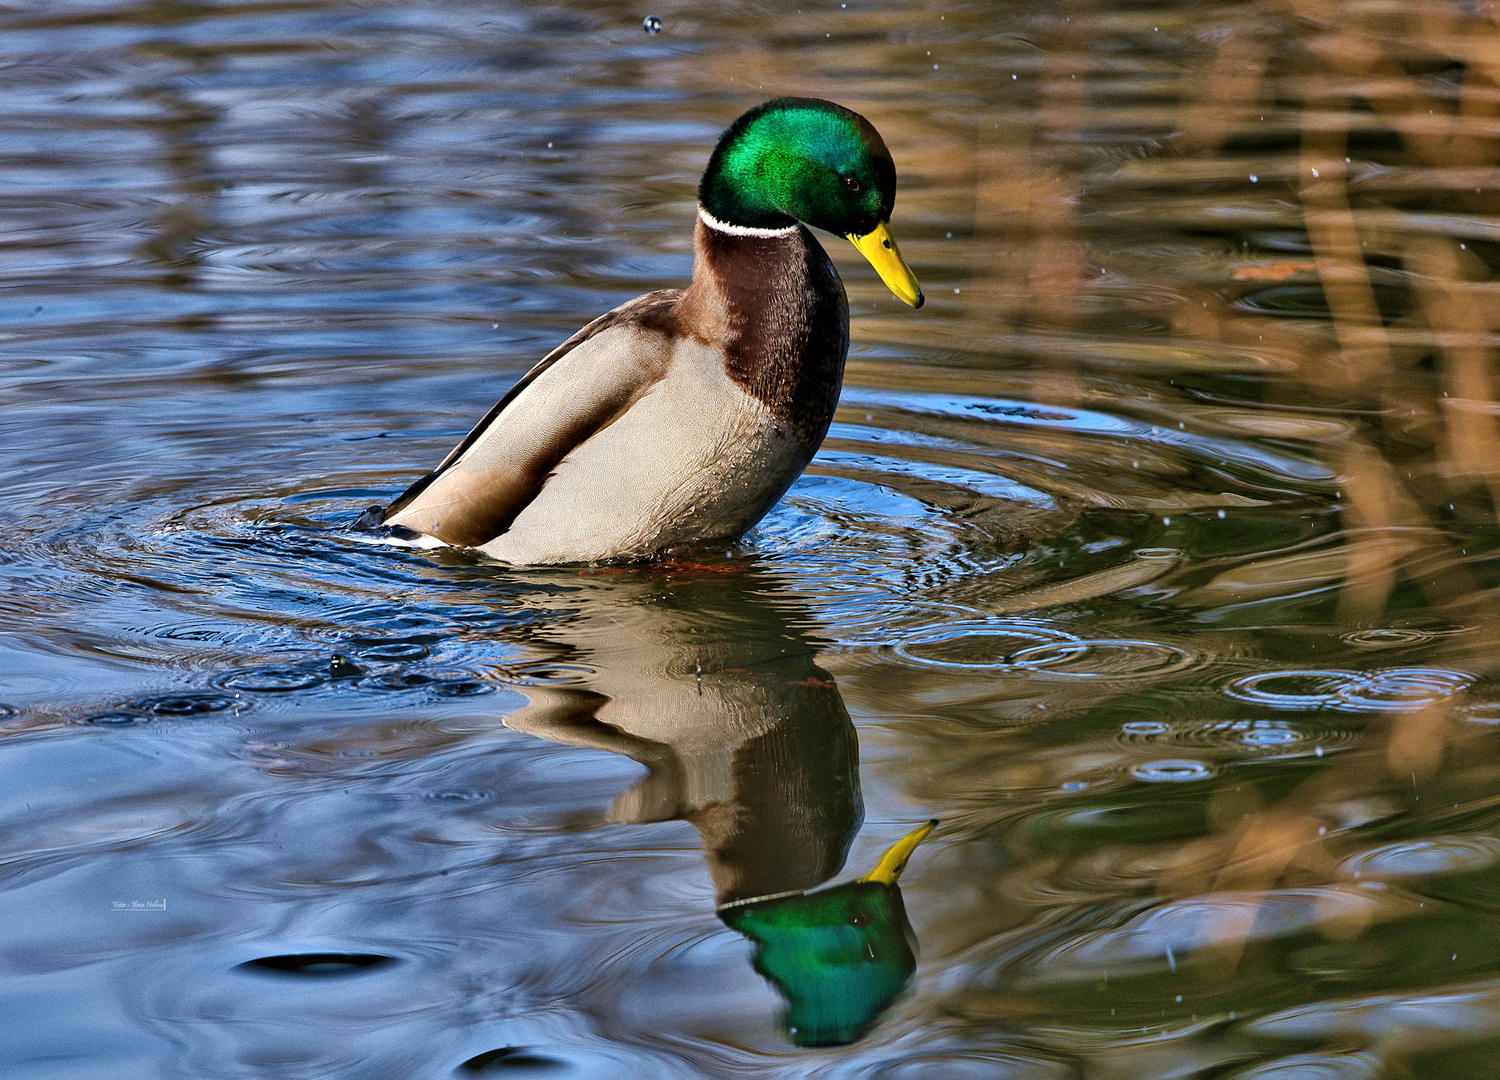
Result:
1159,578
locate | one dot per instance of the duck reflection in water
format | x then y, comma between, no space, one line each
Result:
704,675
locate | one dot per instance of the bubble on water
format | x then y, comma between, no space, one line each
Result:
1172,771
651,24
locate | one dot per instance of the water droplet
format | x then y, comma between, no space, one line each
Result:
651,24
1270,734
341,667
1254,179
1180,771
1157,552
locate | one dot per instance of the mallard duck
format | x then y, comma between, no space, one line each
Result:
684,415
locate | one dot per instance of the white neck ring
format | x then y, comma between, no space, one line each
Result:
741,230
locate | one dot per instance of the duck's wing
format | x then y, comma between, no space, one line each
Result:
577,389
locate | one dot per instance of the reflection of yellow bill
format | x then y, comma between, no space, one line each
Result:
889,868
879,246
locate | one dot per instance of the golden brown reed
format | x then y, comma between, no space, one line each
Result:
1371,127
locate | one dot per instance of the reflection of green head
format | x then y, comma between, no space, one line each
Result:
839,956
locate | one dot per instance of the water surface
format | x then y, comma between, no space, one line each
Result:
1154,557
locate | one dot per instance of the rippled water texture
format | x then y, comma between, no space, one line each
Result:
1155,557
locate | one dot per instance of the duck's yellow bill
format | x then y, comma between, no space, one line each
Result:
889,868
879,246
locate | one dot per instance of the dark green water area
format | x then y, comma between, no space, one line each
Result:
1155,558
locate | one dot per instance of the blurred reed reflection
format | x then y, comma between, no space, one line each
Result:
704,673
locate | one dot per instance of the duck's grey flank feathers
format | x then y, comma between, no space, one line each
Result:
478,489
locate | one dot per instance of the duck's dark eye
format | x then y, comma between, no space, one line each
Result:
851,183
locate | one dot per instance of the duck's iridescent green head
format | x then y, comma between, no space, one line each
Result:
809,160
